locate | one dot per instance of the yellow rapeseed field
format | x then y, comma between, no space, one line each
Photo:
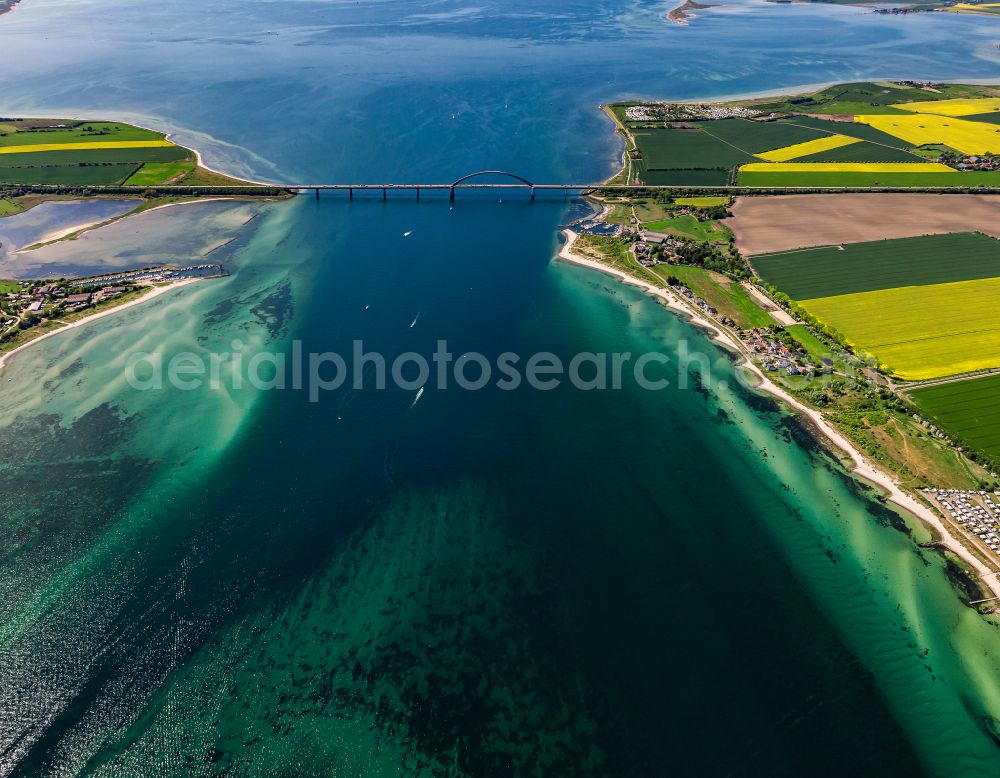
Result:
808,147
846,167
921,128
959,106
920,332
121,144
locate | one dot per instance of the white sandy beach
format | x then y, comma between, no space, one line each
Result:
153,293
860,466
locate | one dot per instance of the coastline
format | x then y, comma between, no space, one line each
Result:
860,466
683,12
152,294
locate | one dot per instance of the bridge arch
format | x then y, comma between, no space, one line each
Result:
516,177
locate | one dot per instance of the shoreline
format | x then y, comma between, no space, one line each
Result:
795,90
859,467
152,294
683,12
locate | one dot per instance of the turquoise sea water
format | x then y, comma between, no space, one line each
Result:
482,583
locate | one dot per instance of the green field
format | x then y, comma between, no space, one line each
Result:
8,286
98,156
718,177
688,226
155,173
813,346
755,137
885,264
69,175
967,410
80,132
9,207
725,295
863,152
706,201
665,149
766,179
989,118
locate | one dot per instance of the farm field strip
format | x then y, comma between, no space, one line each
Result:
920,332
958,106
847,167
969,410
808,148
92,145
921,129
926,260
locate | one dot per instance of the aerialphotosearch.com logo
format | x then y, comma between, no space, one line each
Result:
321,372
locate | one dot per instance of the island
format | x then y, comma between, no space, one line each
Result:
869,309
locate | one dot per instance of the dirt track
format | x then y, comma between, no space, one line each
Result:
766,224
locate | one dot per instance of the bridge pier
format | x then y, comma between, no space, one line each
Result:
418,194
532,194
383,194
451,195
350,193
316,190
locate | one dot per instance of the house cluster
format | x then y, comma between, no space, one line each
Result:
774,355
667,112
973,162
975,512
652,248
34,298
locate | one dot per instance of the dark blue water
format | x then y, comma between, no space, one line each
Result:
469,583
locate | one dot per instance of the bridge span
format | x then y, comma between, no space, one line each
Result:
518,182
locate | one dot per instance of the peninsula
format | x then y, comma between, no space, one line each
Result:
870,314
63,159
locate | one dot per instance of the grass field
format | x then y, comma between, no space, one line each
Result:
814,347
8,286
95,156
70,175
664,149
968,410
20,133
713,177
884,264
920,332
725,295
156,173
962,135
9,207
808,148
954,107
707,201
688,226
